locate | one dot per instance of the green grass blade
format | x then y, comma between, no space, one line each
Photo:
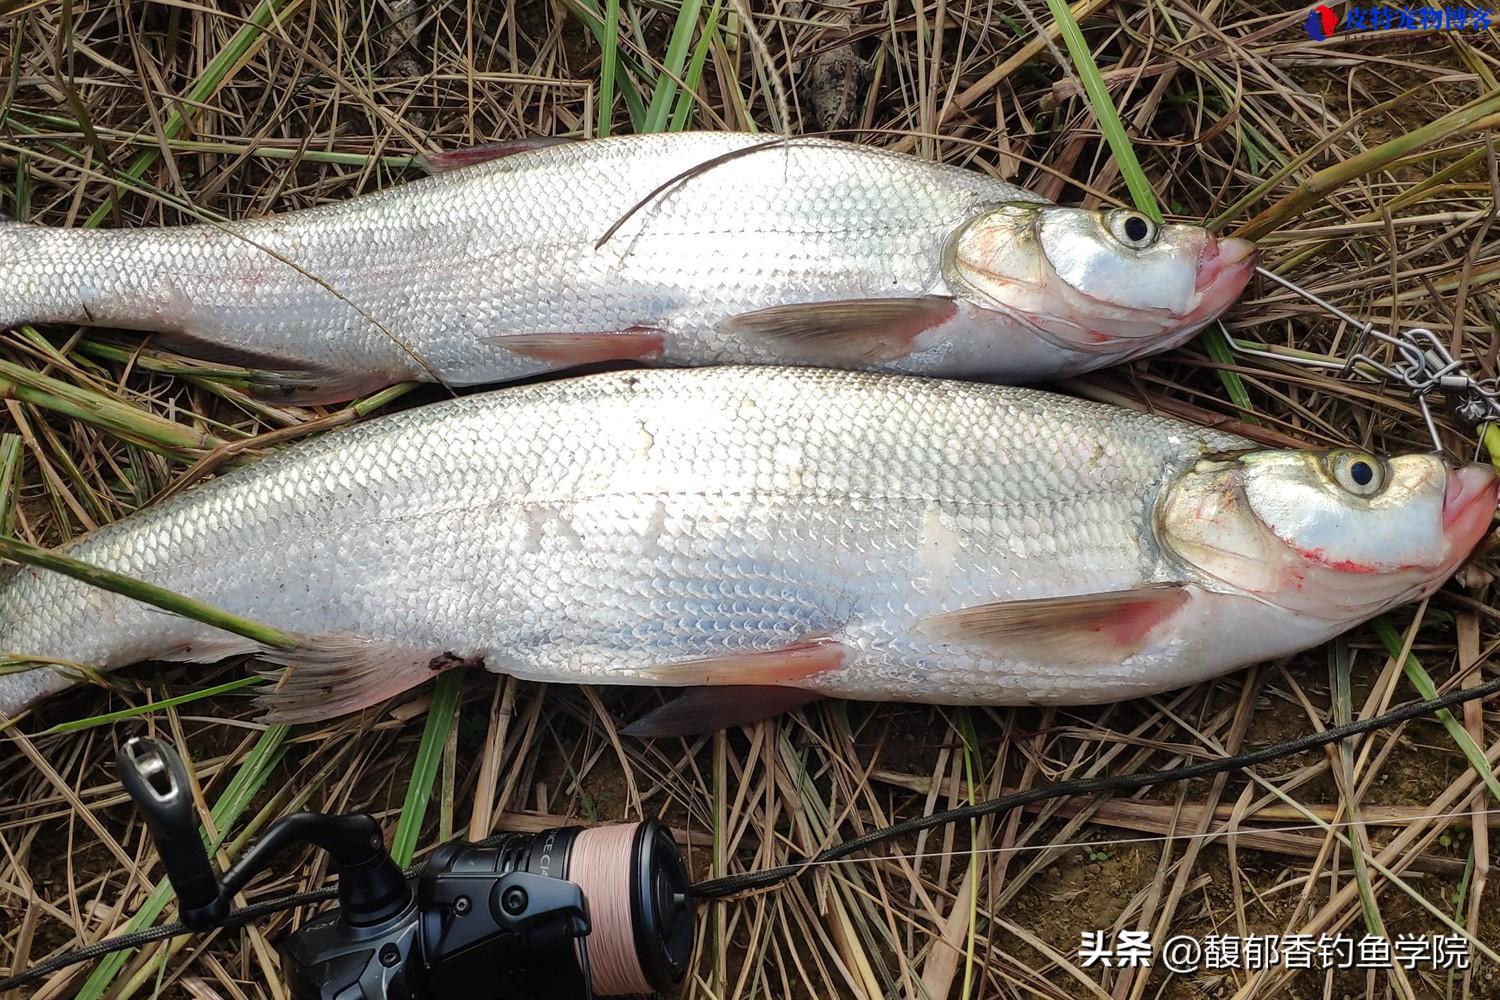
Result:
119,418
595,20
1316,187
234,800
75,725
1218,349
11,457
149,593
1340,666
1420,680
424,770
1465,882
23,189
666,82
1104,110
609,64
1491,439
1136,183
689,96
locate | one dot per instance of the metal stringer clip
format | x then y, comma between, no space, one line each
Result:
1422,364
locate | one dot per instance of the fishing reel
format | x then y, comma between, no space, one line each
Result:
565,913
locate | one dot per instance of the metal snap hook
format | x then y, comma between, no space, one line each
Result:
1422,364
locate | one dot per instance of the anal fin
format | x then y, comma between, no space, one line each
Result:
709,709
326,676
1105,627
852,331
636,343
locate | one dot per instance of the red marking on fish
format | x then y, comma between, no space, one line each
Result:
1341,565
1132,621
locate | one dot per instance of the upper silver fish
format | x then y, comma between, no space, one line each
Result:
849,534
730,248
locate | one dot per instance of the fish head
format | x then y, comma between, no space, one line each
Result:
1339,535
1112,283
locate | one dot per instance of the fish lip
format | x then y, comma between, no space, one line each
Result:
1468,507
1224,269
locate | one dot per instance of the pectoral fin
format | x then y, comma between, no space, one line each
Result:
638,343
455,159
326,676
1106,627
854,331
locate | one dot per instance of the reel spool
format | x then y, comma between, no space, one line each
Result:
638,937
563,913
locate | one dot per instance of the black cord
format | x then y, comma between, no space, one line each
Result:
731,885
135,939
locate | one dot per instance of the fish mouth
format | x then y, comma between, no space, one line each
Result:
1468,507
1224,269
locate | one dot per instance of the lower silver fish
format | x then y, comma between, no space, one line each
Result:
772,534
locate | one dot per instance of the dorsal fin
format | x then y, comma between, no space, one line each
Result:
457,159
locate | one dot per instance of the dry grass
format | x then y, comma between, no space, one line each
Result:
1233,113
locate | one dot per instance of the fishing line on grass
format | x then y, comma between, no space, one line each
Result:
747,882
732,885
1162,838
1422,365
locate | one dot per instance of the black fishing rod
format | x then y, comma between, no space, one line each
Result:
565,913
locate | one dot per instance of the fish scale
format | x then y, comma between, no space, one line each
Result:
415,281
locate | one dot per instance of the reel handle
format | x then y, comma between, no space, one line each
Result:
157,781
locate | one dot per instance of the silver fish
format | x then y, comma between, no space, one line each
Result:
785,532
730,249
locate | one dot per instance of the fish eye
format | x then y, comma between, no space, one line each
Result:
1357,472
1133,229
